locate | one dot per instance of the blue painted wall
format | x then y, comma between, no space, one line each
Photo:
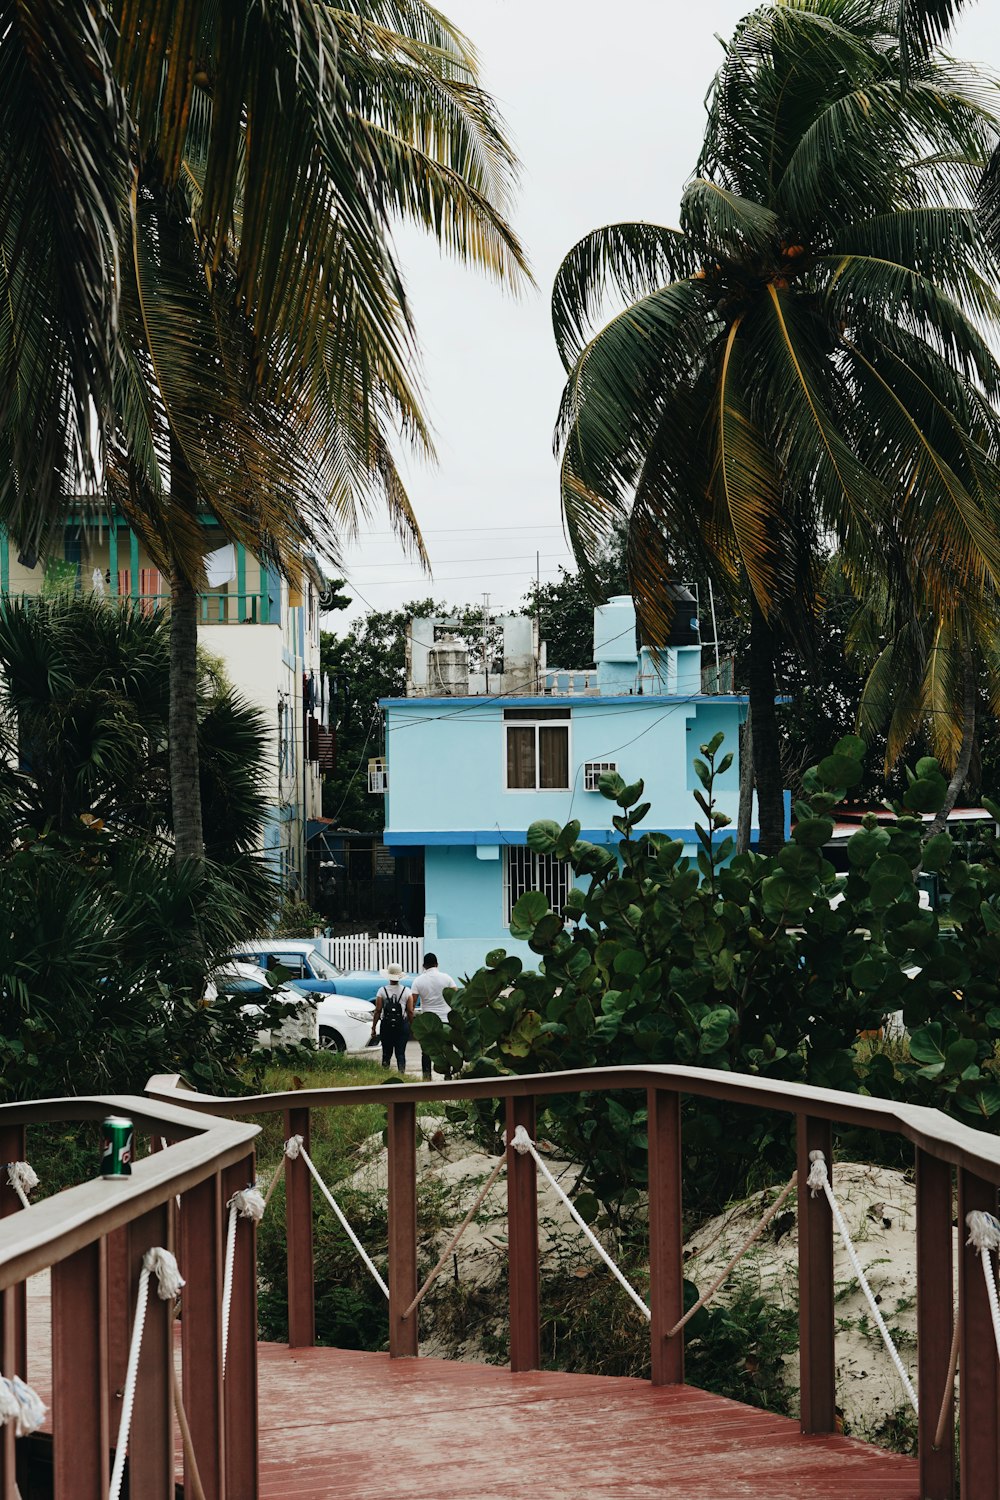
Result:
447,767
447,793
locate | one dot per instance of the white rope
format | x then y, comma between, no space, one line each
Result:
245,1204
294,1148
522,1142
22,1178
819,1181
161,1264
20,1404
984,1236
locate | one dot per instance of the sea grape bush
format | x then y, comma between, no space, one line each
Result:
743,962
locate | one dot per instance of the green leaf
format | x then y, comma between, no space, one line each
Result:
926,1043
543,835
630,794
926,795
960,1054
566,839
813,833
610,785
937,852
587,1206
529,909
851,745
840,770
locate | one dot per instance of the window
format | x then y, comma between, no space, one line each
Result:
537,750
523,870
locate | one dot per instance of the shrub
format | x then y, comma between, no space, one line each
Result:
741,963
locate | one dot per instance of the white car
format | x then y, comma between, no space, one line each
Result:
250,980
344,1024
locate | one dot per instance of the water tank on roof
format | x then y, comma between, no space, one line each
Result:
448,669
685,629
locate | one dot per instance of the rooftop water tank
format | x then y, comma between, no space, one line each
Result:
685,629
448,669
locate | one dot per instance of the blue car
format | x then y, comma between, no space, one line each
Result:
310,969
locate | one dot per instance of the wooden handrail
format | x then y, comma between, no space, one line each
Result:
941,1144
932,1131
59,1226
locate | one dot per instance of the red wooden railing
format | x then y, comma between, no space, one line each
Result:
93,1237
942,1147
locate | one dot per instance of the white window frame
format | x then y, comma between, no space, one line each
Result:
524,870
536,725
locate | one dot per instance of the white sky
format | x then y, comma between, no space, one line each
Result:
605,105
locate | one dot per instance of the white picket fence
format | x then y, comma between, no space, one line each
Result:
359,950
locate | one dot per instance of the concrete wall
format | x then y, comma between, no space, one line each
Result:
447,769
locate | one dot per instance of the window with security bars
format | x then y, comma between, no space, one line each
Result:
524,870
593,770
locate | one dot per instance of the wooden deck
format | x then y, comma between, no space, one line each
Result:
338,1425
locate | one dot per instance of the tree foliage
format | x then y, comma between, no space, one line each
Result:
807,355
94,988
742,963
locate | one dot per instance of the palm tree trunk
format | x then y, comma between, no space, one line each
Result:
744,819
185,776
765,735
968,744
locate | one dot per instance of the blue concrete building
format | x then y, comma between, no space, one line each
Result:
470,769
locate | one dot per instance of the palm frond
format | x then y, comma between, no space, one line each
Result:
716,219
632,260
63,146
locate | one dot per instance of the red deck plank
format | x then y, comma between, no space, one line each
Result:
337,1425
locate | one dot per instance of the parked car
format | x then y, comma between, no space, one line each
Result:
250,981
338,1023
310,969
304,962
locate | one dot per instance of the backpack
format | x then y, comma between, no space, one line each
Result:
393,1010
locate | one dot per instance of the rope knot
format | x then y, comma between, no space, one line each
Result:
293,1146
22,1176
984,1231
161,1264
521,1140
248,1203
21,1405
818,1178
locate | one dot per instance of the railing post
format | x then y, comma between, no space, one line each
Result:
80,1436
119,1319
935,1304
666,1238
403,1336
151,1444
522,1241
817,1368
240,1389
13,1305
299,1238
979,1466
202,1239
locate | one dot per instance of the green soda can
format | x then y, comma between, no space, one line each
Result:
116,1148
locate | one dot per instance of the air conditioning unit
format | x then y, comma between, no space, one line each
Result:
378,775
593,770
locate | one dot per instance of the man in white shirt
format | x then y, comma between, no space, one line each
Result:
428,992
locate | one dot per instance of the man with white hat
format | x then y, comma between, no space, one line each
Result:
394,1008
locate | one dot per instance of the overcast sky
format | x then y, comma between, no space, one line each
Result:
605,104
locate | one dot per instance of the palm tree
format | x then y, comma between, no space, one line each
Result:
263,368
802,360
927,674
